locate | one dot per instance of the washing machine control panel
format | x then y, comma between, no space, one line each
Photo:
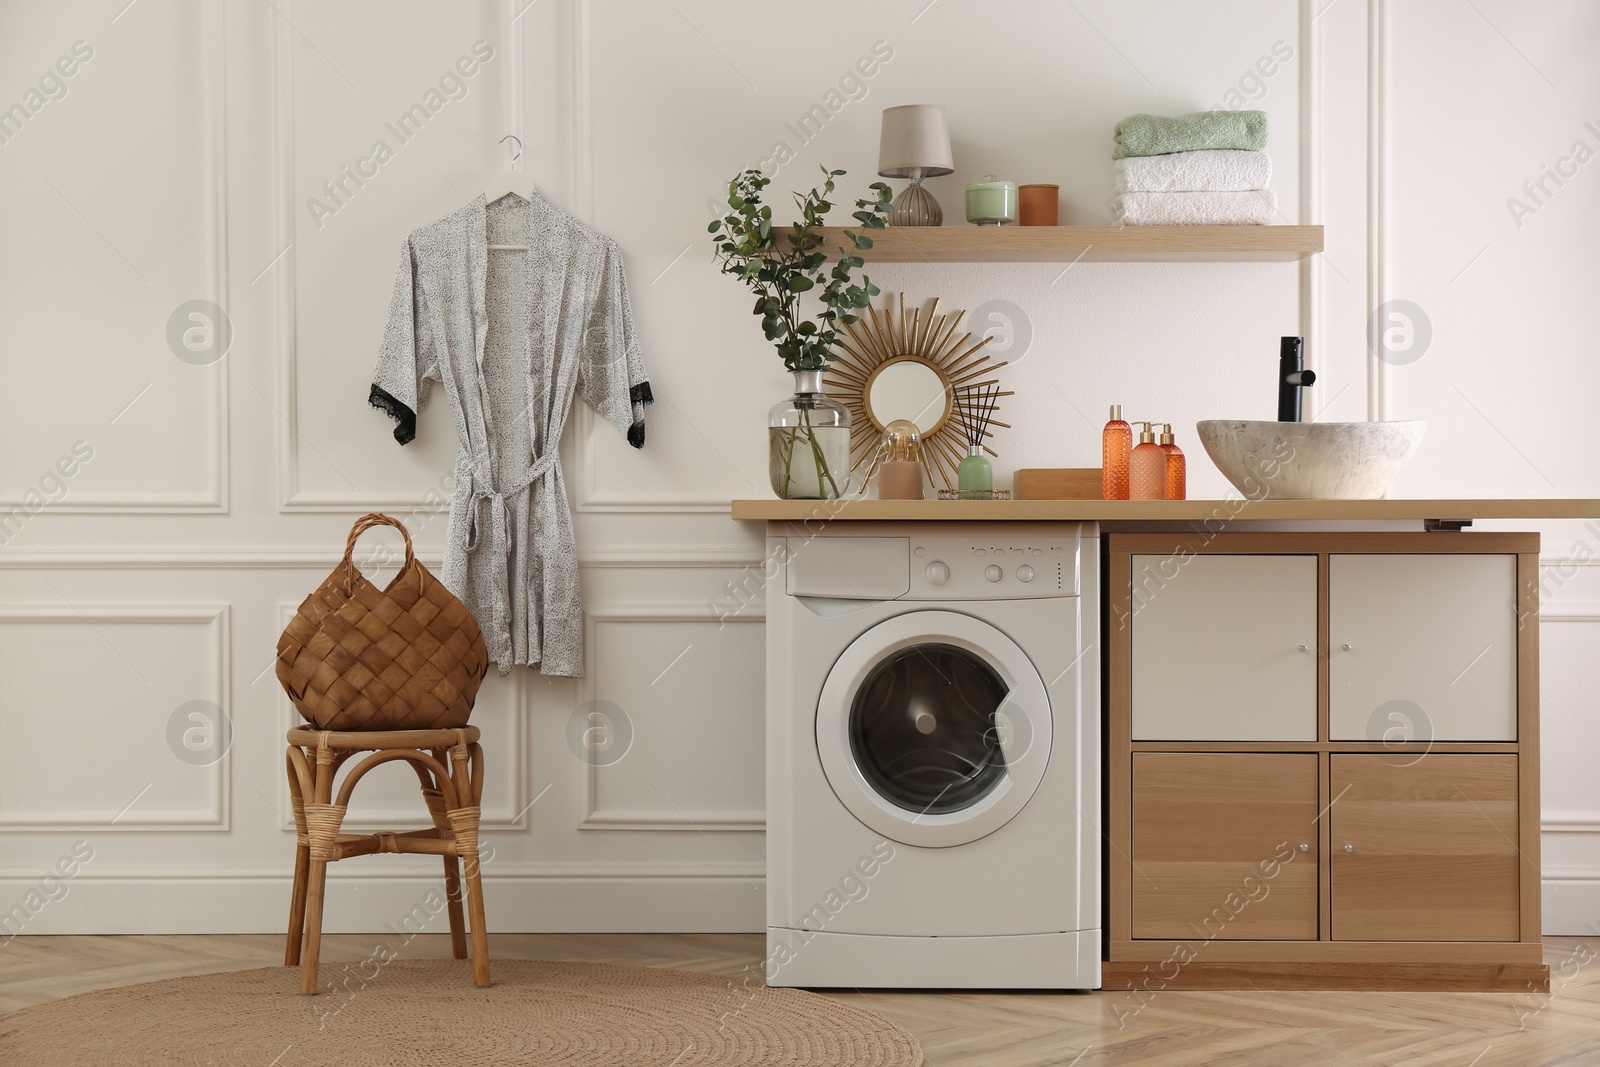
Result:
951,568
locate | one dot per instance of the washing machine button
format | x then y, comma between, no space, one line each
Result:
1024,573
920,552
937,572
993,573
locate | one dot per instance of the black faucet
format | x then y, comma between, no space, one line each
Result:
1292,378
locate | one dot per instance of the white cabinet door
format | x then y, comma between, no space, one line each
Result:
1224,648
1423,647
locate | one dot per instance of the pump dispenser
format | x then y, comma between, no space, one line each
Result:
1147,467
1115,441
1177,466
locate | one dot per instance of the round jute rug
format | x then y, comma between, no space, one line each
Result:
428,1012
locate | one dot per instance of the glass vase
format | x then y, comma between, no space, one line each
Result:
808,446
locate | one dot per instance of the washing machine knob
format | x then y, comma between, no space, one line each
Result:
1024,573
938,573
993,573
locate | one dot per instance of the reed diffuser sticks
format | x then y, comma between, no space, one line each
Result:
975,475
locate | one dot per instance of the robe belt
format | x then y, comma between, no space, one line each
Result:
500,545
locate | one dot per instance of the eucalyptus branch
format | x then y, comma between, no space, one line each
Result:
781,265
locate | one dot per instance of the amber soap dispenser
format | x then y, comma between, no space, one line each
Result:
1177,473
1147,467
1115,441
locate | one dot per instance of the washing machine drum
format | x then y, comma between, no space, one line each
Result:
934,728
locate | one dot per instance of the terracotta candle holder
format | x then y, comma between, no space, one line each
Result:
1040,204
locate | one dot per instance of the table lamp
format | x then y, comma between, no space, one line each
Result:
915,144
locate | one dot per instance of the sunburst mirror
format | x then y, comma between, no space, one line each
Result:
916,365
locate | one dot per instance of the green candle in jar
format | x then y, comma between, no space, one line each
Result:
991,202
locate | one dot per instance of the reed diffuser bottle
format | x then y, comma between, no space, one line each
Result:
975,475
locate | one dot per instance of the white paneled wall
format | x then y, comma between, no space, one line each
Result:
163,509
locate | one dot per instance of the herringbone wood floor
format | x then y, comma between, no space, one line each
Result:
1240,1029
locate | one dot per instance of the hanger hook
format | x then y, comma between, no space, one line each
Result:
516,152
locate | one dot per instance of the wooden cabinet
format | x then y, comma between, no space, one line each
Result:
1224,845
1224,647
1391,787
1424,847
1425,643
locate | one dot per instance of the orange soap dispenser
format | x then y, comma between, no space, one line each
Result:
1115,441
1177,471
1147,467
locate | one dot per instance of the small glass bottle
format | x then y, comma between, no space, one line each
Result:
1147,467
975,475
1177,473
1115,441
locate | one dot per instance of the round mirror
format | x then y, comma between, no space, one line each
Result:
908,389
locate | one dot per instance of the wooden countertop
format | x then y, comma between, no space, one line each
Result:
1157,510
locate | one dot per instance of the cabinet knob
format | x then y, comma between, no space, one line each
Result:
1345,647
1304,847
1349,848
1305,648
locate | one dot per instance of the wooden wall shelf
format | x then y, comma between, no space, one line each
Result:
1068,244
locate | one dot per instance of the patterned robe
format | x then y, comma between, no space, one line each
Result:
511,336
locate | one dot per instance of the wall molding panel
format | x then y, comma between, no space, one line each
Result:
214,817
593,817
213,208
325,558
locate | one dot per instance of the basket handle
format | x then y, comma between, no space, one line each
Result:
362,525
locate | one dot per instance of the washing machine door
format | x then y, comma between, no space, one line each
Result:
934,728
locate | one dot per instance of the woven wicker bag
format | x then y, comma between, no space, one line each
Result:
406,657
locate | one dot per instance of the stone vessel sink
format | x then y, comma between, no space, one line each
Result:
1310,460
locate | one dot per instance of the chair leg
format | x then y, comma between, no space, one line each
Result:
464,821
452,886
318,877
322,829
480,933
297,906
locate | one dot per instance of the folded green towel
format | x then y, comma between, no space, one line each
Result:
1157,135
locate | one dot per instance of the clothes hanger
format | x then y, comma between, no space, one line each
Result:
511,182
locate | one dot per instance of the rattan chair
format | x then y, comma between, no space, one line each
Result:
449,765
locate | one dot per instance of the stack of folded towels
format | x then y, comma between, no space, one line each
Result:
1205,169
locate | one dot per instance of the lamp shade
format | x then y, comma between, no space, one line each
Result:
915,142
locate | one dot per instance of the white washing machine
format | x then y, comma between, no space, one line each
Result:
933,756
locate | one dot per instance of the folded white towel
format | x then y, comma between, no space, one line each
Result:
1255,207
1211,170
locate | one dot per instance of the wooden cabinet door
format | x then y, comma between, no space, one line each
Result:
1422,647
1224,648
1225,845
1424,849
